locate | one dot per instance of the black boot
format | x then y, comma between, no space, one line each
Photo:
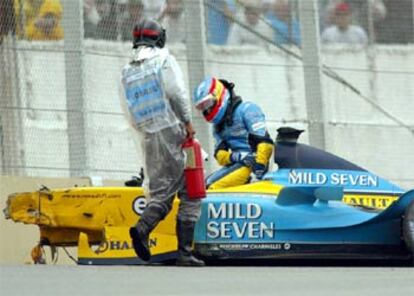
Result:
141,231
185,236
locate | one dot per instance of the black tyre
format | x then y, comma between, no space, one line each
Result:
408,228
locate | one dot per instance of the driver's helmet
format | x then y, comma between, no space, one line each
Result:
148,32
211,98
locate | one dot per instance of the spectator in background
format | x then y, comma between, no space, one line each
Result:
241,36
153,8
38,19
219,19
7,23
398,24
286,27
117,18
343,31
134,13
107,27
91,18
25,13
47,24
172,19
267,5
361,10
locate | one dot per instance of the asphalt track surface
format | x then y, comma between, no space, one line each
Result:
170,280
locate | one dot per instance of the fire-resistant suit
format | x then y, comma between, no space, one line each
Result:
158,109
243,144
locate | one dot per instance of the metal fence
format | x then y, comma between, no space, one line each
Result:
341,69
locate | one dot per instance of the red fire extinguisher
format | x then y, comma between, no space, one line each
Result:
194,171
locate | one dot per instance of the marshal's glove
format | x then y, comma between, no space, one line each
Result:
259,170
245,158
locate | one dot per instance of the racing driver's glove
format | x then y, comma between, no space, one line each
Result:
263,153
244,158
225,157
259,170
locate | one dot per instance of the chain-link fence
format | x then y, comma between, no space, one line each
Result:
341,69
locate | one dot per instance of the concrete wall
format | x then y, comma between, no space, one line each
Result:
355,129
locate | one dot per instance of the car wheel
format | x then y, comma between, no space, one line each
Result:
408,228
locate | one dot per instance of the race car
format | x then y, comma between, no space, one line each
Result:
314,205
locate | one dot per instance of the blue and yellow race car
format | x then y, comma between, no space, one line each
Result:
315,205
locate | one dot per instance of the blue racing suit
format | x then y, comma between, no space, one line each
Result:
243,145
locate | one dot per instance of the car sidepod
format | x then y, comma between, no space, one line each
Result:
301,222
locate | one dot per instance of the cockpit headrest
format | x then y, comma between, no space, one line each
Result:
288,134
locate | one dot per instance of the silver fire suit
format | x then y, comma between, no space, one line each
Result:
157,107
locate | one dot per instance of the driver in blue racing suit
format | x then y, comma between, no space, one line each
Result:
243,144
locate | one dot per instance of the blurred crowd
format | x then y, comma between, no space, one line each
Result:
232,22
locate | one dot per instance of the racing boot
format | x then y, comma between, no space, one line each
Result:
185,236
141,231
